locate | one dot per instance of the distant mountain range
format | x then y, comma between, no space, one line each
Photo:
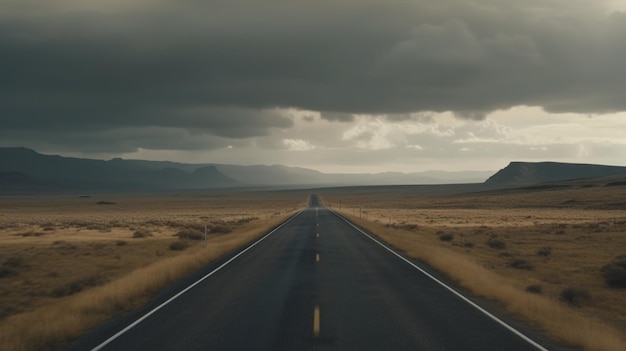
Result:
524,173
25,170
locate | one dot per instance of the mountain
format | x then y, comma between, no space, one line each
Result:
536,172
26,170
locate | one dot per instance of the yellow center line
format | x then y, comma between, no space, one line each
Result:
316,322
317,257
317,235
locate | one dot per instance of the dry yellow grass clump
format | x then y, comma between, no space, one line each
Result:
69,263
540,253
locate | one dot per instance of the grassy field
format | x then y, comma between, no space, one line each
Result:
554,257
69,263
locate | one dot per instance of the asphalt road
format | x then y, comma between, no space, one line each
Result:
317,283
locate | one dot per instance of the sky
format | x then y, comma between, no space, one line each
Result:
333,85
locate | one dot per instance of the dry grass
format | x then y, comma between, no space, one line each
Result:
76,274
535,252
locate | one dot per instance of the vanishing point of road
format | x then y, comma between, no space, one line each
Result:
315,283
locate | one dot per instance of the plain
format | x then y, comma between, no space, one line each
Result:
70,262
545,254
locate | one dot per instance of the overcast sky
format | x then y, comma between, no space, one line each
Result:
334,85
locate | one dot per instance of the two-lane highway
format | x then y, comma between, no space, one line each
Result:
316,283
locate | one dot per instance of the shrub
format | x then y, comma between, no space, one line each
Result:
78,285
120,243
66,290
14,262
534,289
468,244
191,234
520,263
141,233
496,244
31,233
615,273
5,272
219,228
575,296
544,251
105,203
102,227
178,246
446,237
246,220
409,226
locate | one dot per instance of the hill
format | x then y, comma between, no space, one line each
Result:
24,169
524,173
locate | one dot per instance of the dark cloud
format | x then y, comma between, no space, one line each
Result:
116,141
423,116
473,115
221,67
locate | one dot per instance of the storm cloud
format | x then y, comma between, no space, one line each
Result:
229,69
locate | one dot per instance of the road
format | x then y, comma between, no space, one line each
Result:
316,283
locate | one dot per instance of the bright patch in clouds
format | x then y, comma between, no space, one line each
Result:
298,145
519,134
371,134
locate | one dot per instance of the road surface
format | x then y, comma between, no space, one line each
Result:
316,283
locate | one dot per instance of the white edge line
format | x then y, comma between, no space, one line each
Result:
461,296
145,316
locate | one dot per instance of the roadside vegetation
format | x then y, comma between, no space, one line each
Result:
553,258
68,264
